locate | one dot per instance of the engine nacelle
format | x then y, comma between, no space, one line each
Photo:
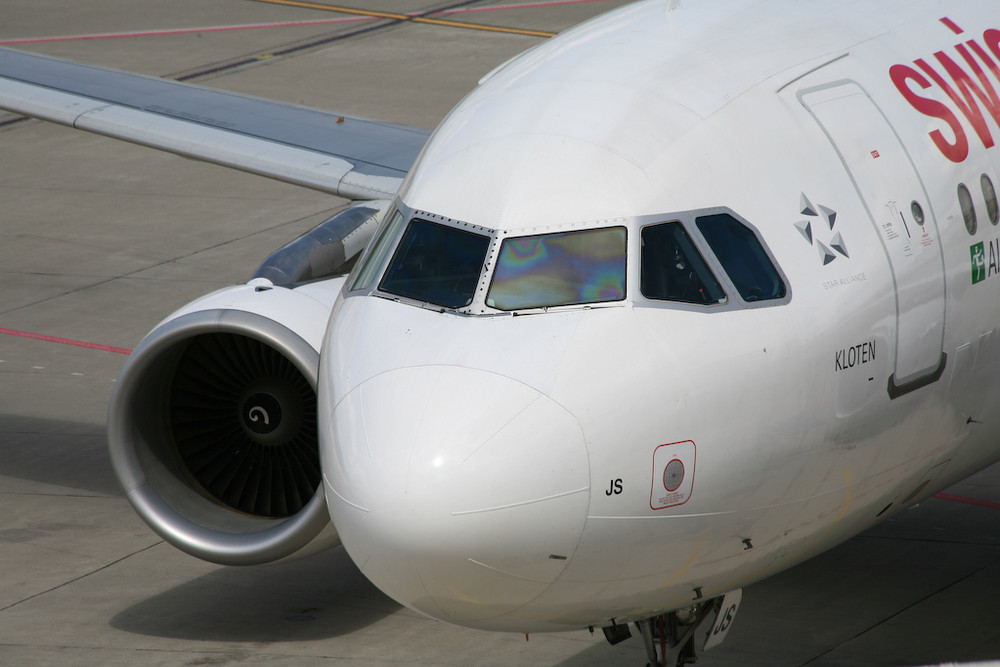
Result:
212,425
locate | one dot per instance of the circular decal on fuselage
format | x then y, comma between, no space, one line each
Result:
673,474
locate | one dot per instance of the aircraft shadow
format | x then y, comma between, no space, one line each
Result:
319,597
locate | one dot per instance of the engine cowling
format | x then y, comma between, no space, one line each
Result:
212,425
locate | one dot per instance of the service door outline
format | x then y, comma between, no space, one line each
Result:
888,184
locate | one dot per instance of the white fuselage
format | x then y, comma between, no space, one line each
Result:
509,470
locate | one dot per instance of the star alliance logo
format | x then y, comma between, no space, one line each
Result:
826,219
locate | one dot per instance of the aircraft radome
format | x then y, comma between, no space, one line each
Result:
668,304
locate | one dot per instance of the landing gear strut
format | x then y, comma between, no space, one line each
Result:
676,638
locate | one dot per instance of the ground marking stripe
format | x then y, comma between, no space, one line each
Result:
395,16
362,16
64,341
968,501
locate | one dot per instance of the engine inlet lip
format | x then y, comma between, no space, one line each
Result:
274,539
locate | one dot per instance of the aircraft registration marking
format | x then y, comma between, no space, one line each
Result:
673,474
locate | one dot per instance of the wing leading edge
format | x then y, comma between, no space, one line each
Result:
351,157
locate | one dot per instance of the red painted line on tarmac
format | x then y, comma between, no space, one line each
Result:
284,24
64,341
968,501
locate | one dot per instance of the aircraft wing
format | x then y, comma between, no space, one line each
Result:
350,157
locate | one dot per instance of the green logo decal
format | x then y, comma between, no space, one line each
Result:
978,255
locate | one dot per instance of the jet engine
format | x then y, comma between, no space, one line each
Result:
212,425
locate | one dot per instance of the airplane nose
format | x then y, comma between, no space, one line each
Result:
459,493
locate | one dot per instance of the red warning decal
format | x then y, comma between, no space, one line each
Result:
673,474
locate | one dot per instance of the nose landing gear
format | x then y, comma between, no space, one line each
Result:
682,634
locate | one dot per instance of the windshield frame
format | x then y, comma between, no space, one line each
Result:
593,264
384,245
388,237
440,265
688,219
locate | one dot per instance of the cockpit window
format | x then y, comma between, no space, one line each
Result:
371,263
673,269
436,264
569,268
742,256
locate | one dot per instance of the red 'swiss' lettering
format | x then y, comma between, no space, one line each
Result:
956,150
952,25
971,94
992,39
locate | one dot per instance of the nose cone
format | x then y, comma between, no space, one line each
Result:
459,493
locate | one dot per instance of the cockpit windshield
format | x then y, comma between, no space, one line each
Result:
568,268
741,254
436,264
673,269
699,258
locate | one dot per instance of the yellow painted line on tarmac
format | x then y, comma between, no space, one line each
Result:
407,17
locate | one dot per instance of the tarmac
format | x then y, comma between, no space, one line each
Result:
100,240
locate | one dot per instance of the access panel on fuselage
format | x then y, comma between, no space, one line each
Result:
897,204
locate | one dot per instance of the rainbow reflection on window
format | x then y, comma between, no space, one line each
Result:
569,268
